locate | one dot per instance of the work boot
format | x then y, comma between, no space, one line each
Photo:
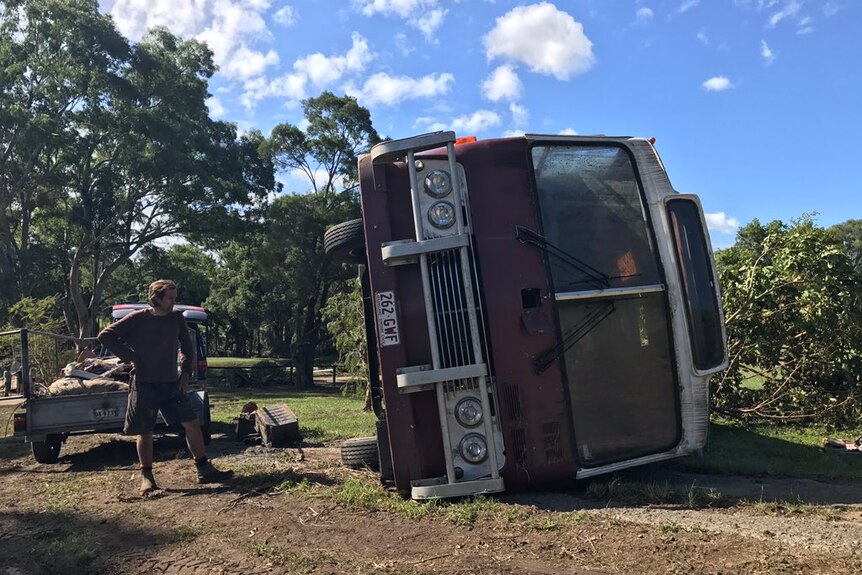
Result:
148,482
207,472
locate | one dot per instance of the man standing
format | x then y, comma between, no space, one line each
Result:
149,339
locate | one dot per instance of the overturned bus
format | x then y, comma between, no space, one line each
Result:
537,308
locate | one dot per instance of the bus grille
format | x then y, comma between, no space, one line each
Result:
451,315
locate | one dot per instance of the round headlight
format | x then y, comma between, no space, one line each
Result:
468,412
473,448
438,184
441,215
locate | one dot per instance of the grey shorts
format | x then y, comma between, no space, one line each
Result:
147,399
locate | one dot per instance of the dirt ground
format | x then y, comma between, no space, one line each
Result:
84,515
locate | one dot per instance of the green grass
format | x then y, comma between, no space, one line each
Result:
324,415
225,362
781,450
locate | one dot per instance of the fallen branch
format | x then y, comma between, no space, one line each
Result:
236,500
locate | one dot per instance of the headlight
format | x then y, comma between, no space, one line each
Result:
468,412
441,215
438,184
473,448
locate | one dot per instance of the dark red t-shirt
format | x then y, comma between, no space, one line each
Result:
151,342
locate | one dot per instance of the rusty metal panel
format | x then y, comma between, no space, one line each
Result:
277,425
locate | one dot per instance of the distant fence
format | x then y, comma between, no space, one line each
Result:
266,374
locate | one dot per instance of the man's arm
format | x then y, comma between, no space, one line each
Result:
112,338
186,347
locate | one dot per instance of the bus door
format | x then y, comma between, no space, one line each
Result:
614,338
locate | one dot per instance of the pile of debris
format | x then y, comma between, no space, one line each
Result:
843,445
89,374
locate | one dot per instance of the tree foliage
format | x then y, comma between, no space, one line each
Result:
109,146
793,308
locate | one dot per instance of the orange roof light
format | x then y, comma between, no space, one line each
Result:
465,140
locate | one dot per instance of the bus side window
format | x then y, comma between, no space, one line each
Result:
698,284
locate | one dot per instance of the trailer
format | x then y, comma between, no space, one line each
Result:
32,360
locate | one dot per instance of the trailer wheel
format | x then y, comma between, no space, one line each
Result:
360,452
345,242
47,451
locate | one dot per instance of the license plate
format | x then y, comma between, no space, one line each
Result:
387,319
105,412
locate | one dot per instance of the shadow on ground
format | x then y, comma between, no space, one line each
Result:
62,541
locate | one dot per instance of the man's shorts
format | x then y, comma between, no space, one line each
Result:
147,399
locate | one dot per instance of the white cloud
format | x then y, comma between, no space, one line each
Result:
324,70
544,38
424,15
468,124
719,222
830,9
316,69
789,10
513,133
502,84
247,63
687,5
381,88
403,44
478,121
217,110
704,39
805,25
568,132
766,53
644,15
288,86
520,114
228,27
717,84
286,16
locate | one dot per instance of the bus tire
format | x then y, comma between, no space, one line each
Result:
47,451
360,452
345,242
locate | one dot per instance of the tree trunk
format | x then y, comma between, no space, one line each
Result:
303,359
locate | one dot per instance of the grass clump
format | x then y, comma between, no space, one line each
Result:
654,493
61,495
293,562
793,508
361,494
184,534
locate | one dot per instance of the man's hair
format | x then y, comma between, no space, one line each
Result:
157,290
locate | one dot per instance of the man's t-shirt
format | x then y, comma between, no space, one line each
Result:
151,342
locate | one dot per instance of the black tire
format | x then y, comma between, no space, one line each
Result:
345,242
360,452
47,451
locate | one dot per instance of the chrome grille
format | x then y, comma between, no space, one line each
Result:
450,310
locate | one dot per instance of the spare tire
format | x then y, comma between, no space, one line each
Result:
345,242
360,452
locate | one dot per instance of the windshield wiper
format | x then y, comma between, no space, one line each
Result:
573,336
526,236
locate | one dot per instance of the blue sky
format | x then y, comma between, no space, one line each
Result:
755,104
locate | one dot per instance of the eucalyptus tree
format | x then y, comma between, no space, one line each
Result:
325,152
54,56
110,146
